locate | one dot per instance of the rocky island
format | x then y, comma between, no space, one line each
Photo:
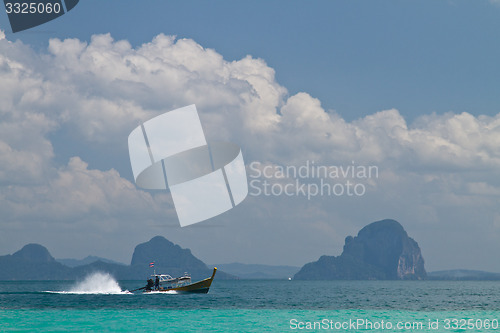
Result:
381,251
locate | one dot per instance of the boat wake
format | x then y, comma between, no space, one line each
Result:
167,292
96,283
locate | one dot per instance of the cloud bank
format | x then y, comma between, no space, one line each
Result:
439,176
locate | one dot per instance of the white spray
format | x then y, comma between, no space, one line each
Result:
97,283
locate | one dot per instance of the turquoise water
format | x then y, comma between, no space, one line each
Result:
254,306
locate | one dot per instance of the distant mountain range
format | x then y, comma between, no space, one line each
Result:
34,262
242,271
85,261
462,275
252,271
381,250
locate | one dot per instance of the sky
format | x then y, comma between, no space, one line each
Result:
409,87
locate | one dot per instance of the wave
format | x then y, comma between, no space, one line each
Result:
155,292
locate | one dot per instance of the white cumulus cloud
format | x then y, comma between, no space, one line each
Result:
434,171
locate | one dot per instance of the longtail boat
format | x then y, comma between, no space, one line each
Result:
166,283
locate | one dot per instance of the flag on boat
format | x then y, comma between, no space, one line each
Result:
151,264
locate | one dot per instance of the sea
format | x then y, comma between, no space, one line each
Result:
99,303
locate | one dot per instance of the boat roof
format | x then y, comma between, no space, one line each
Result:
167,277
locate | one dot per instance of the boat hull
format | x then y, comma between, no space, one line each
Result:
200,287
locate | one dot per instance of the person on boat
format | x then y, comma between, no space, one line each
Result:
157,283
150,285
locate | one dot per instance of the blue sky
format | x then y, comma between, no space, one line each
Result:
408,86
357,57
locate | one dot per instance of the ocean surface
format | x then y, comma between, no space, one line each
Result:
99,303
